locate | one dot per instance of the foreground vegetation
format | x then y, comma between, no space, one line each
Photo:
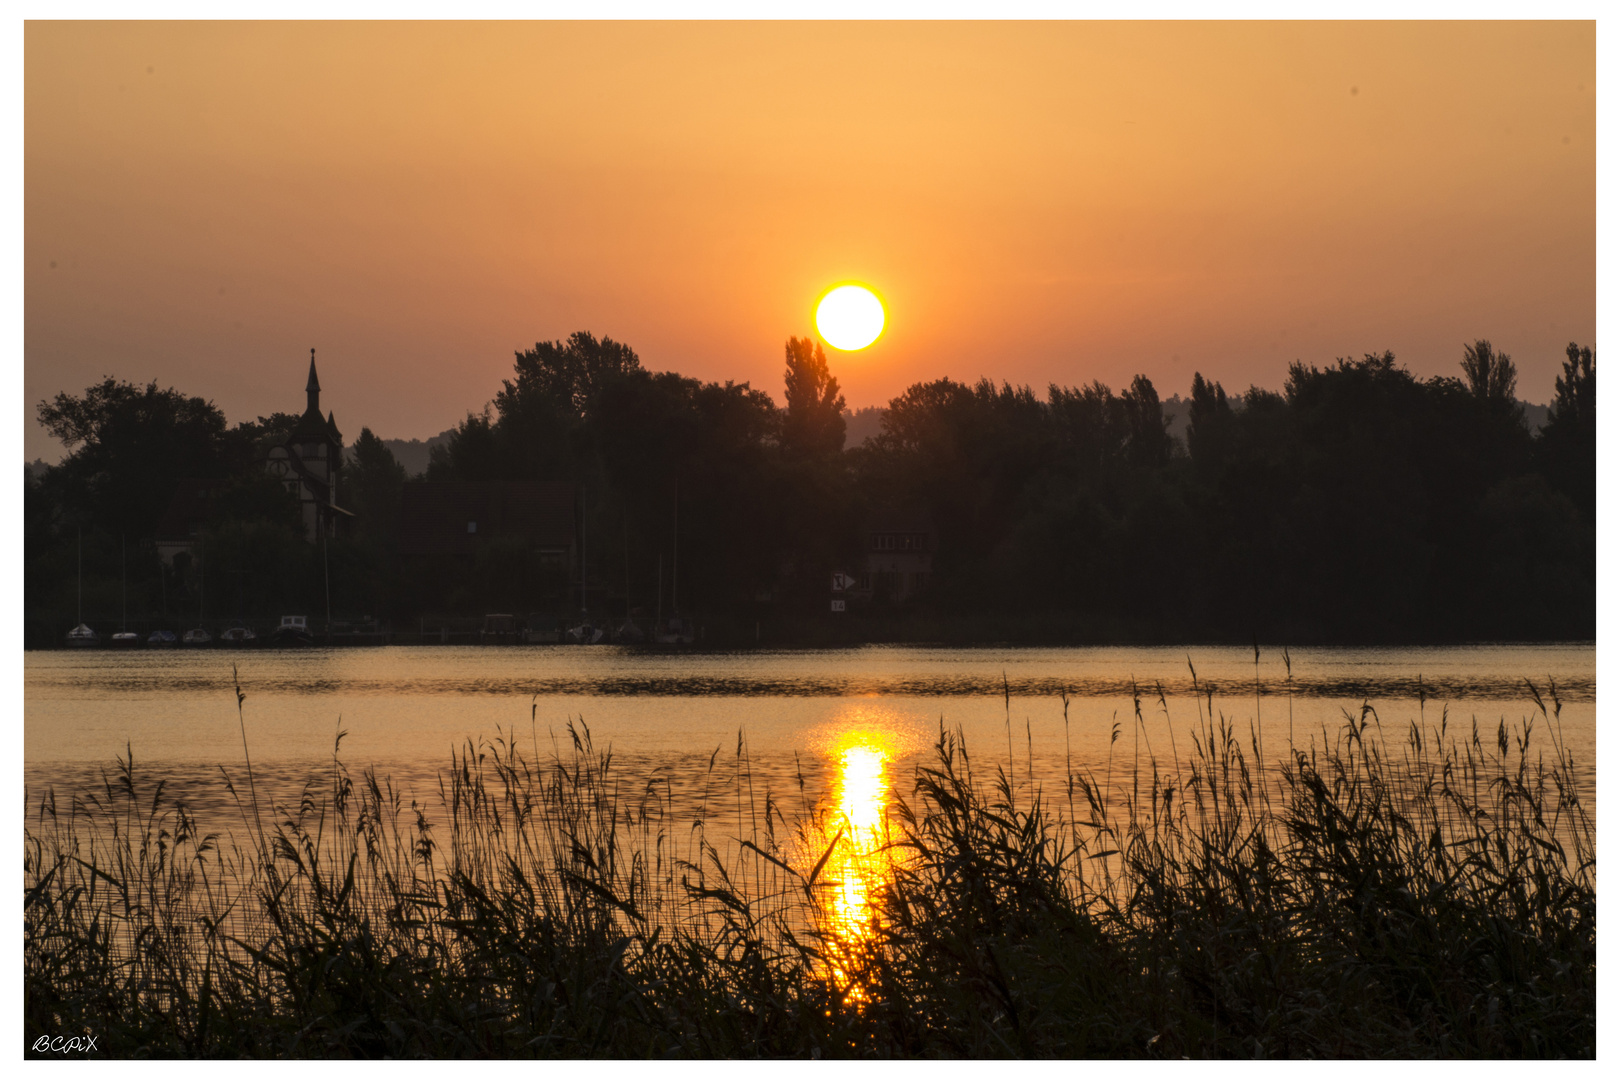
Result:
1427,891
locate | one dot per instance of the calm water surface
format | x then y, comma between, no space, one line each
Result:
797,714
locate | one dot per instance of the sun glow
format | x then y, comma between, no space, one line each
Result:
850,317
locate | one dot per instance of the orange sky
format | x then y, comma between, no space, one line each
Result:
1037,202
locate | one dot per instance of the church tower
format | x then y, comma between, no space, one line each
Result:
310,461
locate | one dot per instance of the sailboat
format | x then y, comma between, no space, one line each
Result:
628,632
586,633
199,636
81,636
124,639
675,630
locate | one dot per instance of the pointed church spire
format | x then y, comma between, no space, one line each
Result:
313,389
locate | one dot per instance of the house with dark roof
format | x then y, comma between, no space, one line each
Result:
309,462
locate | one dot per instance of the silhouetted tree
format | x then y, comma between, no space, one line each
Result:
566,376
1362,504
1209,424
1568,447
373,483
1491,375
1150,442
248,442
1092,431
813,423
129,445
474,451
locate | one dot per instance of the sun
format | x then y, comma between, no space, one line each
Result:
849,317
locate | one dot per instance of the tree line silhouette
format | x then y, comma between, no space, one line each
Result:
1359,504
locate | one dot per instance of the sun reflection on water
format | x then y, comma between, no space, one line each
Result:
860,858
854,837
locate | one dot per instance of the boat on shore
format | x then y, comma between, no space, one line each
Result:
124,639
585,634
161,639
239,637
293,632
197,637
82,637
675,631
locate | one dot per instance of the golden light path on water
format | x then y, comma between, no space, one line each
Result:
863,744
861,858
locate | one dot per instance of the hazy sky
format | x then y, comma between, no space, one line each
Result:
1035,202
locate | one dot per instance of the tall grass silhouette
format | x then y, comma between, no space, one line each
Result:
1423,891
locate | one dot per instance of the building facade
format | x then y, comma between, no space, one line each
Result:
899,556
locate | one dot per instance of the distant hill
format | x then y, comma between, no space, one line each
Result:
1535,416
411,453
862,424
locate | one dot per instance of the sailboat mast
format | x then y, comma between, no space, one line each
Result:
675,565
582,551
81,575
123,573
326,572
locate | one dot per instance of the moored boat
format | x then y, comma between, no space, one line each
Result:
82,637
125,639
676,631
294,630
161,639
239,636
197,636
585,634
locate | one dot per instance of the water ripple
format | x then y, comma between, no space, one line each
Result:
1473,688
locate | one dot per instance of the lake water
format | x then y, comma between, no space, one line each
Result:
794,714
